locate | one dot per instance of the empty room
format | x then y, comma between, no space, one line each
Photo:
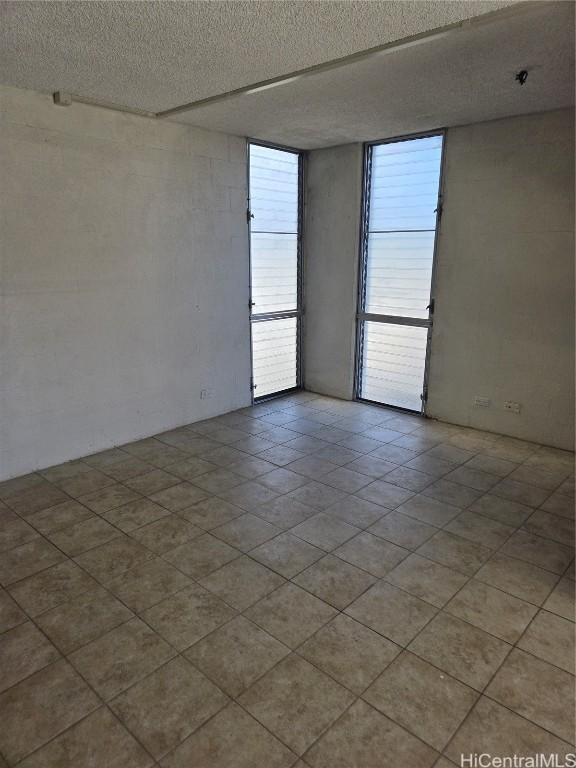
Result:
287,384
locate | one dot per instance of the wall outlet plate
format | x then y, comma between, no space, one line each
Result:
482,402
513,407
206,394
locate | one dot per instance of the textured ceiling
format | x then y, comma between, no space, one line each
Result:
157,55
464,76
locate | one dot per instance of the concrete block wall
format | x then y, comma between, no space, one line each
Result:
124,278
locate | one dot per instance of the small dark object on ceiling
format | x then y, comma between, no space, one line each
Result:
522,76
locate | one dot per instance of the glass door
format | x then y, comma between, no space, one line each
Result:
275,184
401,214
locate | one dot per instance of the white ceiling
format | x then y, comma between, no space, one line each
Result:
158,55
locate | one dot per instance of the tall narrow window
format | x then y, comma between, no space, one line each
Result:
395,314
275,207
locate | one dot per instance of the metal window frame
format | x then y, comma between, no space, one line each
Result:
361,315
283,314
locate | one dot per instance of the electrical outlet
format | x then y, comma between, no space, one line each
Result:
510,405
482,402
206,394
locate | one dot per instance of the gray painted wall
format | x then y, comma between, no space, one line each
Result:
124,278
331,237
504,325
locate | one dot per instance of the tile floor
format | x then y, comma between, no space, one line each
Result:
309,582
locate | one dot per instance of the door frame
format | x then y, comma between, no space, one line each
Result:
299,311
361,315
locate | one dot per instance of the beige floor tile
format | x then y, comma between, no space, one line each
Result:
424,463
169,705
236,655
85,483
351,653
541,552
551,638
411,479
480,529
281,455
154,452
520,492
317,495
335,581
135,514
340,454
560,504
371,553
23,651
107,498
40,707
503,511
544,477
455,552
219,481
429,510
151,482
166,534
473,478
346,479
66,470
249,495
41,496
252,467
246,532
83,536
179,497
281,480
551,526
201,556
21,485
188,616
518,578
296,702
356,511
385,494
147,584
191,468
465,652
104,459
110,560
242,582
14,532
60,516
391,612
291,614
99,740
491,465
81,620
536,690
402,530
452,493
211,513
447,452
325,531
51,587
418,696
114,662
286,554
10,613
372,466
494,611
494,730
562,600
426,579
285,512
363,737
28,559
232,739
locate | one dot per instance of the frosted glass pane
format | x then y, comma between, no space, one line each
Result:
399,273
273,190
404,184
393,364
274,345
274,272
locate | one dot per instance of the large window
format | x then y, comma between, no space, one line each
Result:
275,208
401,207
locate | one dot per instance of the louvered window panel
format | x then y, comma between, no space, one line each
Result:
274,348
399,239
274,263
